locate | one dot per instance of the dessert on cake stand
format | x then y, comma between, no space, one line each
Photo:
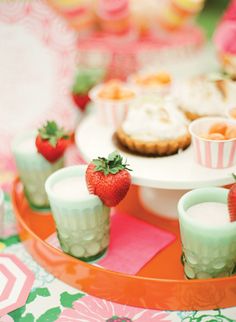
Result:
162,180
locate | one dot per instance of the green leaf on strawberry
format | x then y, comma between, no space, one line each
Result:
52,133
113,164
52,141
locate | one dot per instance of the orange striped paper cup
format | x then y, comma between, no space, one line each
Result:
215,154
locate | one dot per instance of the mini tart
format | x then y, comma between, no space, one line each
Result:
153,148
221,88
220,84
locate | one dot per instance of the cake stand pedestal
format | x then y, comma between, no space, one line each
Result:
161,202
163,180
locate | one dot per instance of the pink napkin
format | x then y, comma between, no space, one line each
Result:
133,243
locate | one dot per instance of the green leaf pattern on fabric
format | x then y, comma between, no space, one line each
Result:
27,318
50,315
67,299
10,240
17,314
43,292
216,316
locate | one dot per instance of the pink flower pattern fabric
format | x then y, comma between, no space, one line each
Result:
97,310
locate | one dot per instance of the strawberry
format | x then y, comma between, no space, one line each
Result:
52,141
232,201
108,179
85,79
81,100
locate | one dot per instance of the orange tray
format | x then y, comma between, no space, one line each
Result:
160,284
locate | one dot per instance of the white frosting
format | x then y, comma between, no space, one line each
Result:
212,214
27,146
155,120
202,96
73,188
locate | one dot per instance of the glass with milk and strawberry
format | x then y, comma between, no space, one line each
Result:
80,199
38,155
207,219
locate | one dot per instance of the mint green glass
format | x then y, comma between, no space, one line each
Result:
208,252
83,225
33,170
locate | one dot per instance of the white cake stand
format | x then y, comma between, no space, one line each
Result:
163,180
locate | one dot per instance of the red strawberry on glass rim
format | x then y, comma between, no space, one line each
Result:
232,201
52,141
109,178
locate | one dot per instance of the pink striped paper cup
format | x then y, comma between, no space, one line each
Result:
215,154
111,112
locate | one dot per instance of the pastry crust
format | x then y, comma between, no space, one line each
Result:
153,148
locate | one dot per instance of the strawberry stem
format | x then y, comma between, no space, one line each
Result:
112,165
52,133
234,176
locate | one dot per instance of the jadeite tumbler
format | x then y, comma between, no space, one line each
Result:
83,224
33,170
208,252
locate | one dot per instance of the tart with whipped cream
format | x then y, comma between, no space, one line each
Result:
206,95
154,127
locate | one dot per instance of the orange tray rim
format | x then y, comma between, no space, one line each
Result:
112,274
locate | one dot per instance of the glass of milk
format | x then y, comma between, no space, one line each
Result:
82,220
208,237
33,169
